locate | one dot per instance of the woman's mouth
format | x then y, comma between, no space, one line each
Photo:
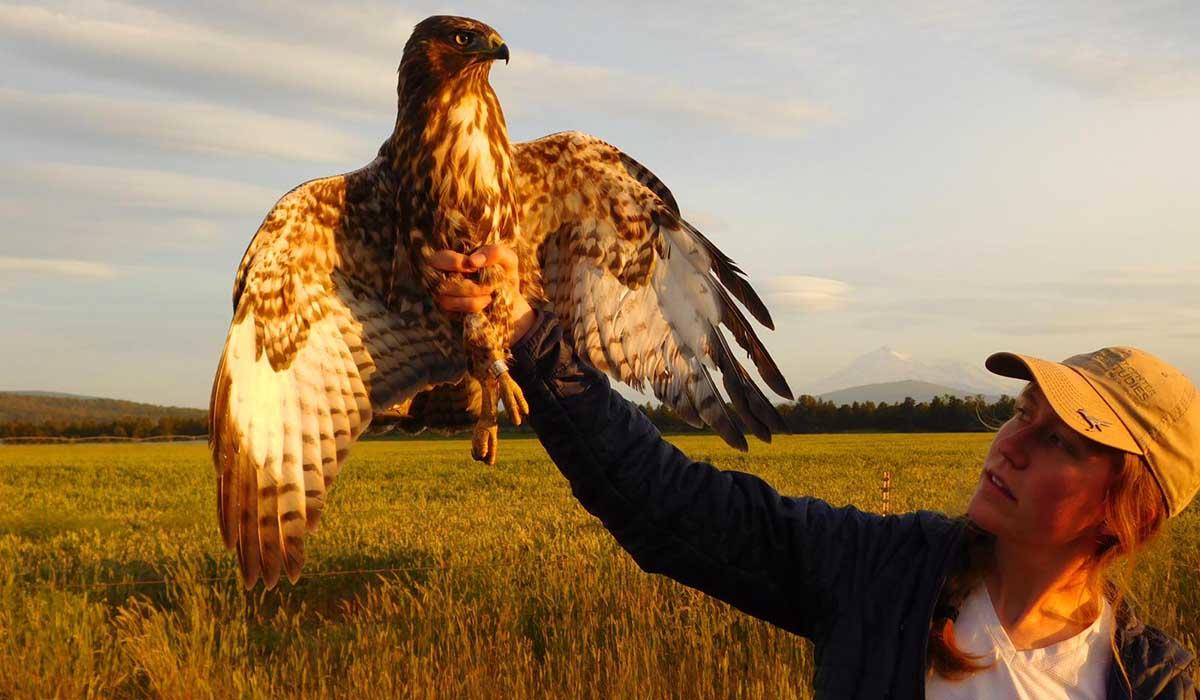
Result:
995,481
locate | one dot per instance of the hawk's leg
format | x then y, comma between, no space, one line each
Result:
488,338
514,399
488,367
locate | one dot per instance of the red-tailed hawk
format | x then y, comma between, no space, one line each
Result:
334,319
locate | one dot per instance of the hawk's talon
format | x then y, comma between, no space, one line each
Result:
515,404
484,443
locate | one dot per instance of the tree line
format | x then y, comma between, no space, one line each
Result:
126,427
42,408
807,414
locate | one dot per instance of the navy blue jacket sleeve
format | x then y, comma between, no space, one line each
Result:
790,561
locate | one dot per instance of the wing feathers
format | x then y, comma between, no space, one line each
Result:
726,269
745,336
309,351
752,406
291,490
732,277
712,407
641,292
311,431
249,557
280,435
643,175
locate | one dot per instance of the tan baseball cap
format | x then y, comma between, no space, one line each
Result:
1128,399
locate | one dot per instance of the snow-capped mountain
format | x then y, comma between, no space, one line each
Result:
888,365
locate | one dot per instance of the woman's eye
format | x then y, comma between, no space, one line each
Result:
1061,443
462,39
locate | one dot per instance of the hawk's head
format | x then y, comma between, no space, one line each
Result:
445,46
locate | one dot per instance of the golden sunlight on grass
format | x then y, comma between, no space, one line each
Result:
498,583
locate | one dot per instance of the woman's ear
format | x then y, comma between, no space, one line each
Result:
1106,539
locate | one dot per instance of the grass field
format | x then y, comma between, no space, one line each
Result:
499,584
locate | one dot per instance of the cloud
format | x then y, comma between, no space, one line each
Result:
537,81
810,294
378,30
58,266
147,47
1148,275
126,238
138,188
1116,70
194,127
754,115
1125,322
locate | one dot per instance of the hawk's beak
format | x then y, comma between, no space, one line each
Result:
498,49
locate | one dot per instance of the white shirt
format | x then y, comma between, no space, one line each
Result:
1075,668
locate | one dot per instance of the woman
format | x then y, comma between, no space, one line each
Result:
1008,602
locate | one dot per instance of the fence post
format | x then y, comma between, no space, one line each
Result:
886,491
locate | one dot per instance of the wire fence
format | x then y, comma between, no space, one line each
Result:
377,571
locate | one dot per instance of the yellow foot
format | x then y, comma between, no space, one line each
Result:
514,399
484,442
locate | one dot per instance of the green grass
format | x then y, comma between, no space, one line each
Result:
504,586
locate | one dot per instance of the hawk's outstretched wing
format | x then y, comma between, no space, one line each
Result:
642,292
310,351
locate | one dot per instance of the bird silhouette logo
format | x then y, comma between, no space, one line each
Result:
1094,424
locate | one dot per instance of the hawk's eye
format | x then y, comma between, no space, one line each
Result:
462,38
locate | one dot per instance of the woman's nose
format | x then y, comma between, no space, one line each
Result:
1015,446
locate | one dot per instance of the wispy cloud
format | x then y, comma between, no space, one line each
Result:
148,47
537,81
58,266
87,229
1125,325
194,127
375,29
1127,301
1148,275
803,293
1116,70
139,188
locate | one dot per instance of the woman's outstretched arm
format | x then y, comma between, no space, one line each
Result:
791,561
729,534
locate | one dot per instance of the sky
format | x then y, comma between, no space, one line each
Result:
945,178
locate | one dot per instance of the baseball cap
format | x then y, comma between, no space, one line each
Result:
1128,399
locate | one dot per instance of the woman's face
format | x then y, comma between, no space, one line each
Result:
1043,484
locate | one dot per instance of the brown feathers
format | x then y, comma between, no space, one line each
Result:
294,387
642,292
334,324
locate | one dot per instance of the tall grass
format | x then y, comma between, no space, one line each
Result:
498,583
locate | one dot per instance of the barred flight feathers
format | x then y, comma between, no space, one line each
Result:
311,353
726,270
642,292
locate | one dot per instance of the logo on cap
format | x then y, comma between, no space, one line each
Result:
1093,423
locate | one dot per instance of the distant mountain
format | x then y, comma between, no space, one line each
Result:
897,392
885,366
43,407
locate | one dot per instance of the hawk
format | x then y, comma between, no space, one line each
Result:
335,322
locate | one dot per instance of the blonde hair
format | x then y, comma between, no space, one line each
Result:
1134,512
